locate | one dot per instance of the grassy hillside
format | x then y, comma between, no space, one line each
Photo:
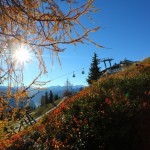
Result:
43,109
112,114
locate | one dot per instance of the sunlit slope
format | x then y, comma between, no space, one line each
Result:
111,114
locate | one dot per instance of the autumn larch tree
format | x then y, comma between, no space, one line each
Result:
40,26
94,71
68,91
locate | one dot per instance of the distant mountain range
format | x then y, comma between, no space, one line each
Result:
36,100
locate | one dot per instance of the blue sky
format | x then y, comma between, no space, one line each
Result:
124,32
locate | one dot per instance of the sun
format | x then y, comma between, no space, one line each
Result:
22,55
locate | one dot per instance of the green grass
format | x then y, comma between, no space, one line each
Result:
42,110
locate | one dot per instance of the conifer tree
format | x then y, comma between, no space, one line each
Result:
68,91
94,71
56,97
46,97
43,101
51,97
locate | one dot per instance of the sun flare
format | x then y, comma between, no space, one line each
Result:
22,55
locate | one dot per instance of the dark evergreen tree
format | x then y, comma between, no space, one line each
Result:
51,97
94,71
81,88
43,102
56,97
46,98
